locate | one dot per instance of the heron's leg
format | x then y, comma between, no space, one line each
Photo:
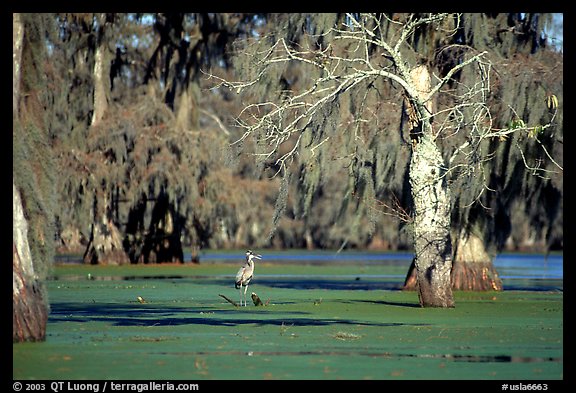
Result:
245,289
240,293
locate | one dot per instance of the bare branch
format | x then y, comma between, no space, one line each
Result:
411,26
450,73
393,209
216,119
274,122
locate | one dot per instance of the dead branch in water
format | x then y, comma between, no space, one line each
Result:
228,299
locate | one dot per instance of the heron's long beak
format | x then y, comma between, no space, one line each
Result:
257,256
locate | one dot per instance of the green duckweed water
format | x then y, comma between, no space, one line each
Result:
182,329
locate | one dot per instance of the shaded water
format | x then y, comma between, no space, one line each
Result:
537,272
533,272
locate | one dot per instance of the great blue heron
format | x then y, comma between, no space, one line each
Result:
245,274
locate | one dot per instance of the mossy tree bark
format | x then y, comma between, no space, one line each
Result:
29,303
431,197
432,242
29,307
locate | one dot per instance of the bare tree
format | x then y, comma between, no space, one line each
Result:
357,55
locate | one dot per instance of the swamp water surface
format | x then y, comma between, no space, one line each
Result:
327,316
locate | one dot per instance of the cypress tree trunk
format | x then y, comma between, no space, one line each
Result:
473,269
187,109
432,243
162,242
431,196
17,38
432,271
29,308
100,98
105,245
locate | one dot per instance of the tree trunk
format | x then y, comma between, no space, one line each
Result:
432,243
100,100
473,269
160,240
17,37
410,280
29,307
431,196
187,109
101,74
105,245
162,243
308,239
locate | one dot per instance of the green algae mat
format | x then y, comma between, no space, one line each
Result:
318,322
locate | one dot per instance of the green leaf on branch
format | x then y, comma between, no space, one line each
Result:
516,123
536,131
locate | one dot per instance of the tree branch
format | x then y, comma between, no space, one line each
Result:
450,73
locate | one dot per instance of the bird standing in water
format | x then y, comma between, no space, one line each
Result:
244,275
